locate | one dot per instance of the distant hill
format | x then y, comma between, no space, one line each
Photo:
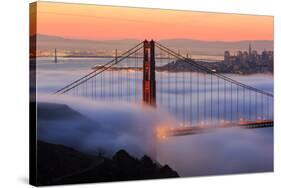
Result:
46,42
217,47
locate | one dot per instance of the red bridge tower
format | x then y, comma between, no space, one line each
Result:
149,84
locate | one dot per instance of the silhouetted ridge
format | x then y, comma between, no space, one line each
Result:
58,164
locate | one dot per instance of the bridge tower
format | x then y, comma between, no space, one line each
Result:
56,58
149,84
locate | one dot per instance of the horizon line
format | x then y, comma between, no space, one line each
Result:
94,39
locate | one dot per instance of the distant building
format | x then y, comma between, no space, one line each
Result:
245,54
239,54
250,49
254,53
226,56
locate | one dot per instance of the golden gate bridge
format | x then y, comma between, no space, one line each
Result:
199,98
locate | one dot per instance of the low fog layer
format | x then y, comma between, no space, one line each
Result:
223,151
94,127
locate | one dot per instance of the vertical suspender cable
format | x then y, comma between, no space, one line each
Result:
211,99
205,103
250,114
183,99
218,99
191,93
237,103
224,108
176,90
198,110
231,102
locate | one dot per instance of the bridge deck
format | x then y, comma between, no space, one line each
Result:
169,132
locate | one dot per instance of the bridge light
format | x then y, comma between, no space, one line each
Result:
161,132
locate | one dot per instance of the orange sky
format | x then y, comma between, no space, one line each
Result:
105,22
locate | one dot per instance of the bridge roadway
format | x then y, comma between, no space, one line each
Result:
163,132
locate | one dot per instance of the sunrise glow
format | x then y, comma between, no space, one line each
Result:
106,22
